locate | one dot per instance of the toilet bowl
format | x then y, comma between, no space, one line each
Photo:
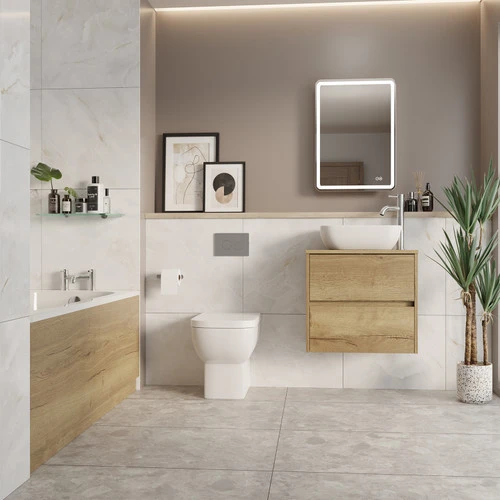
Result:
225,342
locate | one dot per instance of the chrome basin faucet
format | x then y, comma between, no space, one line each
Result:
400,209
73,278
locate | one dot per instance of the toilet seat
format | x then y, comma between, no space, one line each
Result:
226,320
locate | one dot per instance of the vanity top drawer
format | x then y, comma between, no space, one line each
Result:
362,277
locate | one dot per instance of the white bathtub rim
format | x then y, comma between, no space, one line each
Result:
52,312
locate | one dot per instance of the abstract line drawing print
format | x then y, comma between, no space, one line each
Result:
188,172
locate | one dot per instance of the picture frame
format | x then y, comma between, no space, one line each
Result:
224,186
184,156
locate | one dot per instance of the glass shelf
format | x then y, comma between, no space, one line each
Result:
102,216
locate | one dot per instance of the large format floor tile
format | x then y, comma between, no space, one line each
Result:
388,453
459,418
232,449
301,486
213,414
125,483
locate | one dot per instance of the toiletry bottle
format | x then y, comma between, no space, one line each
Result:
95,195
428,199
412,202
81,206
66,204
107,202
54,202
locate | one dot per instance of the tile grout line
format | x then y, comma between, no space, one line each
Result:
157,467
277,445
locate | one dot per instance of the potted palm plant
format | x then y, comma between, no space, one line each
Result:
468,259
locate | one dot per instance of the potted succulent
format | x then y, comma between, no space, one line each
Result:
468,259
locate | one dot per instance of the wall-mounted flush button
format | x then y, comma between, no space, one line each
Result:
231,244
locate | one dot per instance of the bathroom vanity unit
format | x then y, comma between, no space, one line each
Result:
361,301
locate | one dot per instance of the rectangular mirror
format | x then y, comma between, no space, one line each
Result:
355,135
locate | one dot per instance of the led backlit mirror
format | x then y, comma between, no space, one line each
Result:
355,135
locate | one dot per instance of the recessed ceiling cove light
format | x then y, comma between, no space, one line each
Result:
353,3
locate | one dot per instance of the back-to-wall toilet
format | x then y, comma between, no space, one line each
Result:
225,342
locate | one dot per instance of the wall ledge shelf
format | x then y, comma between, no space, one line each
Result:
289,215
66,216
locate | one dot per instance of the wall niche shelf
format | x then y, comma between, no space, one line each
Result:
66,216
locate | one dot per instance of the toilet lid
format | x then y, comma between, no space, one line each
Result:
226,320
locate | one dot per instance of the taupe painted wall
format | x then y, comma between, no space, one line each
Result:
250,76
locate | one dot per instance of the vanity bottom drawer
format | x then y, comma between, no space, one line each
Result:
382,327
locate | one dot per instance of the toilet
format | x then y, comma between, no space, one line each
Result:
225,342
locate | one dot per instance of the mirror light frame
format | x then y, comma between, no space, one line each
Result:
368,81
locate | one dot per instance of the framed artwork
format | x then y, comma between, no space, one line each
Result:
224,187
184,157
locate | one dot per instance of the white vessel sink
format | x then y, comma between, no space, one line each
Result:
360,237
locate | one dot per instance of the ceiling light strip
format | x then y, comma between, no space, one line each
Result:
311,5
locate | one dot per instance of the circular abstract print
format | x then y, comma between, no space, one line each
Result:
224,185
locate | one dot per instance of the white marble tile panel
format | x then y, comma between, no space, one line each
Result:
15,72
455,346
90,44
423,235
36,238
110,246
211,284
369,221
14,404
14,230
425,370
92,132
36,44
275,272
280,358
170,355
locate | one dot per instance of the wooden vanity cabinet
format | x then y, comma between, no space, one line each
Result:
361,301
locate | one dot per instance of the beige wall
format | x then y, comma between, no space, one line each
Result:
250,76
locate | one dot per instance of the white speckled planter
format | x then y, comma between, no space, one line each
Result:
474,383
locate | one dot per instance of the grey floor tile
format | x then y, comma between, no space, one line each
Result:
266,394
111,483
376,396
388,453
170,392
302,486
232,449
206,414
459,418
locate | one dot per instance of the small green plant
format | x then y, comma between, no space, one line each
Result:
71,192
465,259
44,173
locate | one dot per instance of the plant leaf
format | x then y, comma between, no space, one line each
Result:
71,192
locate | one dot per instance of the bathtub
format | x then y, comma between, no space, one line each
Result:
47,304
84,360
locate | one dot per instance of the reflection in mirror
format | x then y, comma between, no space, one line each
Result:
355,134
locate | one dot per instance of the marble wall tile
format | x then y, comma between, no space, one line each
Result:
110,246
275,272
36,238
93,132
280,358
14,404
210,283
455,346
369,221
14,229
36,44
90,44
423,235
425,370
15,72
170,355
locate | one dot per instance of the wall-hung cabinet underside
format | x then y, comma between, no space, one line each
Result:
362,301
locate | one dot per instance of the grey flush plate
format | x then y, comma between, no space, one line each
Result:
231,244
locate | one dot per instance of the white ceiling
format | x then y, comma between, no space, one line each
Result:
165,4
355,108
